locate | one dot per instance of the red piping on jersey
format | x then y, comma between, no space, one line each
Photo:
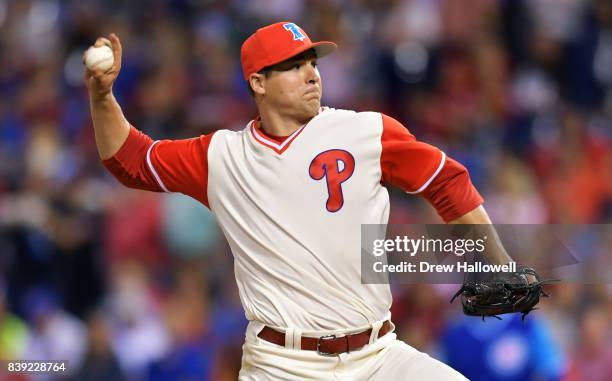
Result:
277,147
274,138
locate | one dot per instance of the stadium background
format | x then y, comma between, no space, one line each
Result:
129,285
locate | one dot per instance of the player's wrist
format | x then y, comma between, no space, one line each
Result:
102,96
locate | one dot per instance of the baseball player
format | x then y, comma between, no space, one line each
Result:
290,192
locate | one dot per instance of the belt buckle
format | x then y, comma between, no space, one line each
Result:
327,337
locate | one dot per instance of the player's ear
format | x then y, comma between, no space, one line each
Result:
257,83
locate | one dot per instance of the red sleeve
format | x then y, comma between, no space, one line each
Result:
452,192
163,166
419,168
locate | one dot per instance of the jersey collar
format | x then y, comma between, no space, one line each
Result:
278,147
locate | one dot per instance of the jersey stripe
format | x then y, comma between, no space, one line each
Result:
279,148
424,186
159,180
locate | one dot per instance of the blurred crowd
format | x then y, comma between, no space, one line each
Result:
129,285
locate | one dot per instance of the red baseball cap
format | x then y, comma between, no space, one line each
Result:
276,43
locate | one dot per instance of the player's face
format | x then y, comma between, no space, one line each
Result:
294,86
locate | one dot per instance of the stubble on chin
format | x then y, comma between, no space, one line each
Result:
312,107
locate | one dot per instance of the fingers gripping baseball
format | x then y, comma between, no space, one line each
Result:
99,78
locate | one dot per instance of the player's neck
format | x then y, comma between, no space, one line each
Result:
275,124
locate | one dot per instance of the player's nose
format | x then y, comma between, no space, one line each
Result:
311,74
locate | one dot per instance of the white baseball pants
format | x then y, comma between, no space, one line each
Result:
386,359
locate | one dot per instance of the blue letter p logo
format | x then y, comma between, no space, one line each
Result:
297,34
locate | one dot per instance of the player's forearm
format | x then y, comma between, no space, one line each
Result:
494,250
477,216
110,125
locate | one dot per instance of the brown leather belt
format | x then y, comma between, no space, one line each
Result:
327,345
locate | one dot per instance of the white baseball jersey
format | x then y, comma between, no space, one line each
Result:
291,208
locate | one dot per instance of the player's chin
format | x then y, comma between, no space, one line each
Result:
312,106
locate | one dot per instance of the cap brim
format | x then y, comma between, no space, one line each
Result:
321,48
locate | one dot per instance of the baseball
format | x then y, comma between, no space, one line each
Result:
99,57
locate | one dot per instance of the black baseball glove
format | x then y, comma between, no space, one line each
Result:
502,293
